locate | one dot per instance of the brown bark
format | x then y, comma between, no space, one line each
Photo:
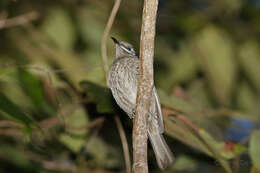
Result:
145,86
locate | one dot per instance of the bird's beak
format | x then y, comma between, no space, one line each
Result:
115,40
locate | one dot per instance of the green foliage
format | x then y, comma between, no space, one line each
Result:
58,27
254,149
250,61
77,123
215,54
12,111
99,95
33,88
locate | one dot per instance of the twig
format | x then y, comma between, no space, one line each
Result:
105,35
60,165
145,86
96,122
8,123
124,144
48,70
19,20
12,132
105,64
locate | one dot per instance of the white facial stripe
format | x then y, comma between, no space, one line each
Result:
123,47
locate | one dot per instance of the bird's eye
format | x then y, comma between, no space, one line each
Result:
127,49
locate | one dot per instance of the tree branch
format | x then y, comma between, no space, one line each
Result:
145,86
105,36
124,144
19,20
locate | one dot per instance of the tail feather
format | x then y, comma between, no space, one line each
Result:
163,154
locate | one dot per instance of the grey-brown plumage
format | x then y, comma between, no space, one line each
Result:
123,80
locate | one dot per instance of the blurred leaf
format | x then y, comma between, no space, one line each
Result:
230,6
12,89
73,143
176,103
191,23
95,72
184,162
86,18
181,105
92,36
73,68
177,129
195,112
14,112
34,89
250,61
77,122
163,63
180,66
99,95
214,49
221,149
254,149
254,170
184,66
6,70
76,127
202,141
103,154
197,92
247,100
239,149
18,157
58,26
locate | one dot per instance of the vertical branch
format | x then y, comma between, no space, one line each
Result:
124,144
145,86
105,66
106,33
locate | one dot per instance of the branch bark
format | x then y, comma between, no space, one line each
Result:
145,86
124,144
19,20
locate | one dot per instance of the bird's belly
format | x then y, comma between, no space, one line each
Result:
124,89
128,86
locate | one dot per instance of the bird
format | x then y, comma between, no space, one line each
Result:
123,81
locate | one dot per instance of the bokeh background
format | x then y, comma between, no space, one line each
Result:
57,115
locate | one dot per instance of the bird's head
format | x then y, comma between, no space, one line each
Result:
123,48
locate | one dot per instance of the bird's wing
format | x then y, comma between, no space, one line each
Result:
159,111
123,83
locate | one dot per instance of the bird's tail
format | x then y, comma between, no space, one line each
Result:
163,154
